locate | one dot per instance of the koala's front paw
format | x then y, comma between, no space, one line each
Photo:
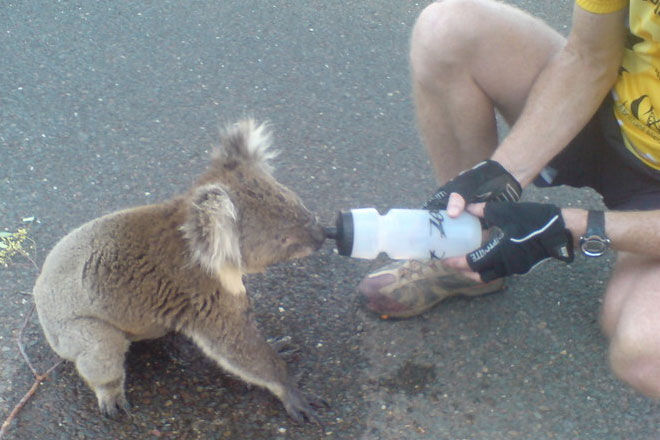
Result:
302,408
283,346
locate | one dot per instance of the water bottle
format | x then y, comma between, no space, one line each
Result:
405,234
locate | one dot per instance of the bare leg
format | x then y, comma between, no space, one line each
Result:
469,57
630,320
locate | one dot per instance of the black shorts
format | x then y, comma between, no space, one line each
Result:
598,158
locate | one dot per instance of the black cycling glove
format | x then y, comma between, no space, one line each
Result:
522,235
488,180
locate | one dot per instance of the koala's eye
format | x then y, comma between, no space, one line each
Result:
251,194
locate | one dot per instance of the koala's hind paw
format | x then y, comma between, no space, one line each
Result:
112,406
302,408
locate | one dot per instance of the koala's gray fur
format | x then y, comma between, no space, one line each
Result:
142,272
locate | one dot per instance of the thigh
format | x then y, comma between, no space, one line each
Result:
502,47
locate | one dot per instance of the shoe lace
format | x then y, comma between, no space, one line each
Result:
415,267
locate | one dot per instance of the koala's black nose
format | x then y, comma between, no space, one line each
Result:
317,233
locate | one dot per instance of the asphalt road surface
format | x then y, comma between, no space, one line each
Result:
106,105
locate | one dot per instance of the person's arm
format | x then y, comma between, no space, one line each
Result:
564,97
632,231
566,94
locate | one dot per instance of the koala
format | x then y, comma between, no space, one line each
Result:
177,266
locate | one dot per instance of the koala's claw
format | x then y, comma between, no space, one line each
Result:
318,402
303,409
283,346
111,408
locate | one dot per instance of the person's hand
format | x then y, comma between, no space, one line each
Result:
521,236
488,180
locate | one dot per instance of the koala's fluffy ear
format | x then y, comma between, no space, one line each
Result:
247,142
211,229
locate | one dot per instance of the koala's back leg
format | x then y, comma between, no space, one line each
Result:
98,350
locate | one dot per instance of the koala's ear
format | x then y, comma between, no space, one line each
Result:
245,141
211,229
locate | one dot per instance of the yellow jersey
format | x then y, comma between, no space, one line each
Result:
637,89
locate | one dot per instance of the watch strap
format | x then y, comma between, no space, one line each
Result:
595,223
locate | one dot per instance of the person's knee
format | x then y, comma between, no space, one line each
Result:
635,356
444,36
610,314
440,37
629,291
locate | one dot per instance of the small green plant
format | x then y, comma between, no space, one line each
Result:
15,243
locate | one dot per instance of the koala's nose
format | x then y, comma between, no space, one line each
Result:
317,232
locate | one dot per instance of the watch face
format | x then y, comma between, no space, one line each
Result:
594,246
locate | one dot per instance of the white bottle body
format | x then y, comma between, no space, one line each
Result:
413,234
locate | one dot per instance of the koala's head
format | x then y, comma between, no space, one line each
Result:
239,215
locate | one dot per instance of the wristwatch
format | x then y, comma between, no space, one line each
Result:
594,242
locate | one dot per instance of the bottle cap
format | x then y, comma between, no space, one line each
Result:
344,233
